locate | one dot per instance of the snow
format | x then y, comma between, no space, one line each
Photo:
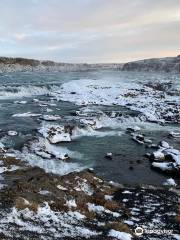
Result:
55,133
105,92
119,235
108,197
84,187
95,208
100,209
44,192
165,150
61,188
71,203
12,133
175,134
170,182
163,166
158,155
46,221
129,222
126,192
164,144
176,236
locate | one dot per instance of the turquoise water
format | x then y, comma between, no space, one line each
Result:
126,153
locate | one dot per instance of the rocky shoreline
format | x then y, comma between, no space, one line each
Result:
81,205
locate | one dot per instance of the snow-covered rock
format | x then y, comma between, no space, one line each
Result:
170,182
166,158
174,134
12,133
56,133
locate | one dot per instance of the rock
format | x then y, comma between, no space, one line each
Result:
148,155
43,154
138,138
170,182
158,155
109,155
147,141
164,144
177,219
174,134
133,129
91,170
12,133
59,134
167,159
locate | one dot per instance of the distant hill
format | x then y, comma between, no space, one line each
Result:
169,64
23,64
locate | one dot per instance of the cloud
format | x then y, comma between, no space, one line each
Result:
89,30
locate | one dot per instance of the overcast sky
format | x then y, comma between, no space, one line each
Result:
90,30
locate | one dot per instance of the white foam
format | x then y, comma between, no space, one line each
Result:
50,165
23,91
26,114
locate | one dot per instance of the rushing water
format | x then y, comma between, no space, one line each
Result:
125,166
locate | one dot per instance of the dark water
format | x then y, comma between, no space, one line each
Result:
128,166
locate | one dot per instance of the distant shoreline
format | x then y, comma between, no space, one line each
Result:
169,64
